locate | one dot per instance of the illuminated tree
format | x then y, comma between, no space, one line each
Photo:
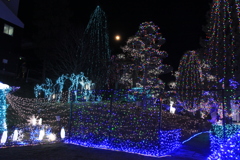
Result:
144,59
221,47
188,82
95,54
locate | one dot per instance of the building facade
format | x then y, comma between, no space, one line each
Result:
11,30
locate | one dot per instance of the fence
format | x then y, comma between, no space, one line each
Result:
131,124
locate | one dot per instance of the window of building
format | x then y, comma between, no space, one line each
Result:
8,29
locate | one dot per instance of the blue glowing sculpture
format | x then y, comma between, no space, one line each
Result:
59,86
4,90
74,80
37,90
86,89
48,88
79,85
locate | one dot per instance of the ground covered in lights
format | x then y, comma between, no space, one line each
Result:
195,149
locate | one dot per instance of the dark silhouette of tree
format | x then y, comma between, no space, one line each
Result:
50,22
66,58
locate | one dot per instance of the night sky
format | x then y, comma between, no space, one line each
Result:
180,21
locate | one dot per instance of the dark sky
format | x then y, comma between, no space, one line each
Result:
180,21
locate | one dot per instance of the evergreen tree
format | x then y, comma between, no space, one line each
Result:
222,48
144,59
188,82
95,54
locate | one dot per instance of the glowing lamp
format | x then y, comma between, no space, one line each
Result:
15,135
4,137
40,121
62,133
41,134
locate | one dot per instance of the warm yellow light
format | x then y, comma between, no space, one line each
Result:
117,38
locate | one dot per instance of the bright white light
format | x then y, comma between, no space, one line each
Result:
62,133
40,121
32,120
52,137
4,137
15,135
117,37
4,86
172,109
41,134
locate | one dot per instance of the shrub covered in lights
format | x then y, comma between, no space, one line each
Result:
228,150
217,135
230,130
128,127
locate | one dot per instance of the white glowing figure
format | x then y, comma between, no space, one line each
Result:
4,137
41,134
62,133
172,109
32,120
52,137
40,121
15,135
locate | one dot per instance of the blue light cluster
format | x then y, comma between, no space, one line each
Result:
121,127
230,130
168,141
227,150
79,83
217,135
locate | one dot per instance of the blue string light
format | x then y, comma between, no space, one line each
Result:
225,150
121,127
167,142
194,136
